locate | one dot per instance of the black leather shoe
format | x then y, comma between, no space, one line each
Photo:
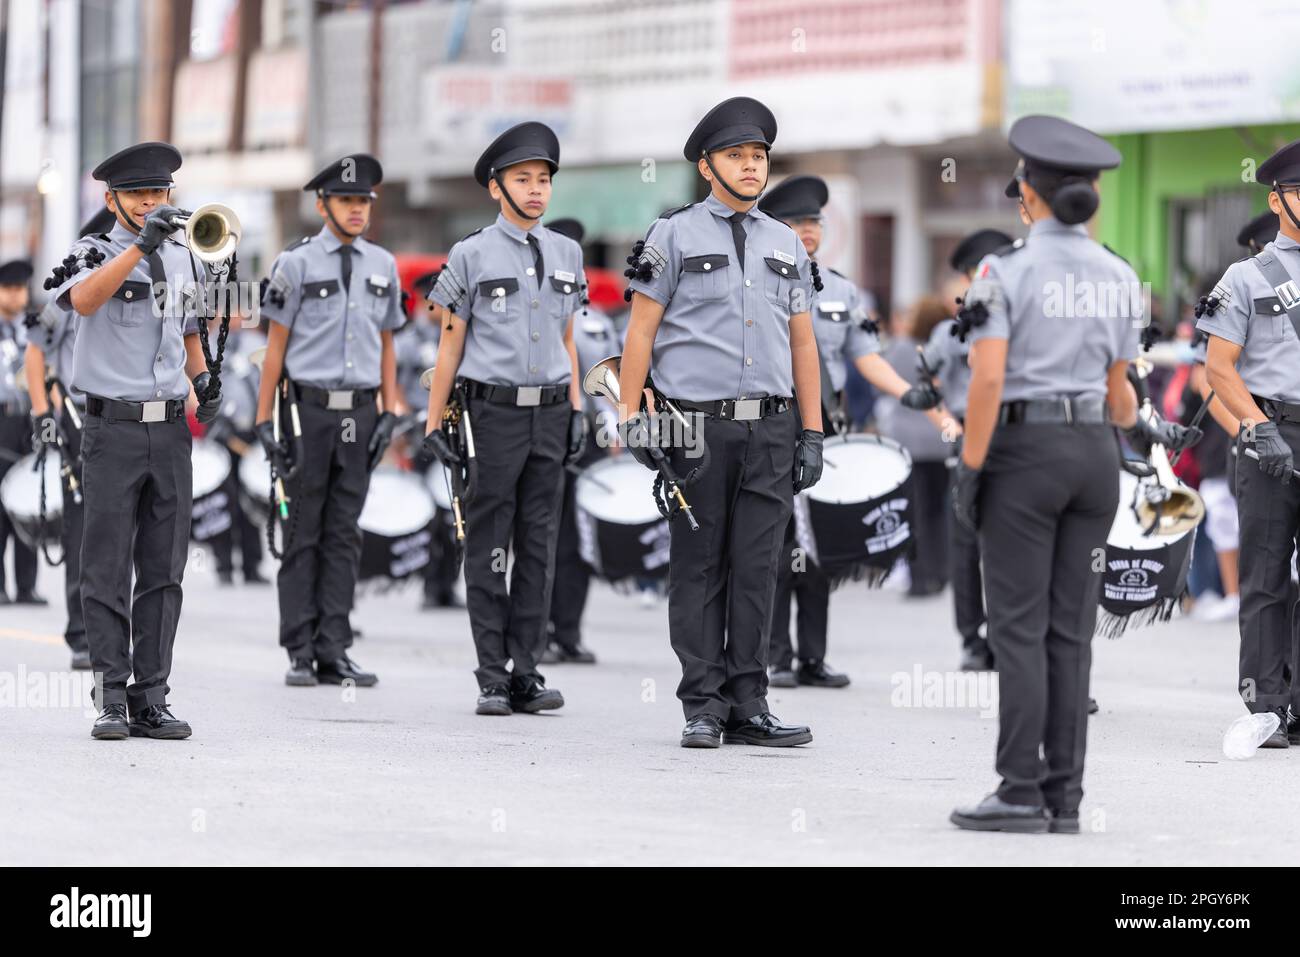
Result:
1093,707
766,730
301,674
344,669
445,600
1281,738
225,577
156,721
818,674
81,660
1062,822
29,598
558,654
255,577
5,599
995,814
111,725
1293,730
494,700
702,731
531,695
782,678
977,656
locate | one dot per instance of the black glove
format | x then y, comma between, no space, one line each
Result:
921,396
577,437
1275,456
381,437
45,429
275,451
807,460
965,496
436,446
209,405
636,438
157,227
1171,435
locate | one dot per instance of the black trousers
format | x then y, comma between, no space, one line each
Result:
967,582
137,488
322,557
15,441
722,578
930,510
1047,499
74,521
242,532
1269,514
814,591
515,506
572,574
441,572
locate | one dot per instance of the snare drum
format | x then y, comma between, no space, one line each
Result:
20,492
255,485
621,534
396,526
856,522
1145,576
211,512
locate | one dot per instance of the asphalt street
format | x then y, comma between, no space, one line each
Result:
406,773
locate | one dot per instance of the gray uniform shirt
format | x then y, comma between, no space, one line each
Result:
725,332
838,313
130,349
1068,308
595,338
1251,315
949,359
516,318
335,339
417,349
13,343
55,334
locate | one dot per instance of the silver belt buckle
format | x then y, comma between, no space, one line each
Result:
1069,411
528,395
153,412
745,410
340,400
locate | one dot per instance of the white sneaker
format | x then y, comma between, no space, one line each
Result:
1206,606
1225,609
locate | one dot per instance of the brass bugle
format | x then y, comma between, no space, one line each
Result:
212,231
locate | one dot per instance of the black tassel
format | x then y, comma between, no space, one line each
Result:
1206,306
1149,336
816,275
968,318
637,270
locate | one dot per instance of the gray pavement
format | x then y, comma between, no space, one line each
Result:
405,773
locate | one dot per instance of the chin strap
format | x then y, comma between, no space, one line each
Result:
1285,205
727,186
501,181
337,225
131,224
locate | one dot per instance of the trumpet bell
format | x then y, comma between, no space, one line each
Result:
1168,510
426,378
257,358
212,232
601,379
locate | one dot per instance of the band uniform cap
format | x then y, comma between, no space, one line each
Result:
15,272
143,166
1283,167
976,246
103,220
796,197
568,227
732,122
1049,142
1262,229
356,174
519,144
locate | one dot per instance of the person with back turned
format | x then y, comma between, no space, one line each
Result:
15,431
1038,475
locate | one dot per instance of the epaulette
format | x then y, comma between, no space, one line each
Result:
838,273
468,235
670,213
1011,247
1116,255
298,242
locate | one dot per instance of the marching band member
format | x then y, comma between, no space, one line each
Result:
15,429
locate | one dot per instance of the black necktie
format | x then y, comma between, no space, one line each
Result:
345,265
538,267
738,234
157,277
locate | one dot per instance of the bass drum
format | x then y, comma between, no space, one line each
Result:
211,513
396,526
857,521
20,492
621,534
1145,577
255,485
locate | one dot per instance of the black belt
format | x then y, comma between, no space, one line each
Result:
525,395
1063,411
738,410
340,400
164,410
1277,409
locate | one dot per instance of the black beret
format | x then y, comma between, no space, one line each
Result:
16,272
1283,167
740,119
100,223
354,175
568,227
796,197
1262,229
1055,145
976,246
519,144
143,166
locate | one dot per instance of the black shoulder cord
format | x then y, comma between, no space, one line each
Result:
224,275
41,519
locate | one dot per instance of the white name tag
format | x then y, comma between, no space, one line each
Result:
783,256
563,276
380,281
827,306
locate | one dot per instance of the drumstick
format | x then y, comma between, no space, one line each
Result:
1252,454
1196,420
